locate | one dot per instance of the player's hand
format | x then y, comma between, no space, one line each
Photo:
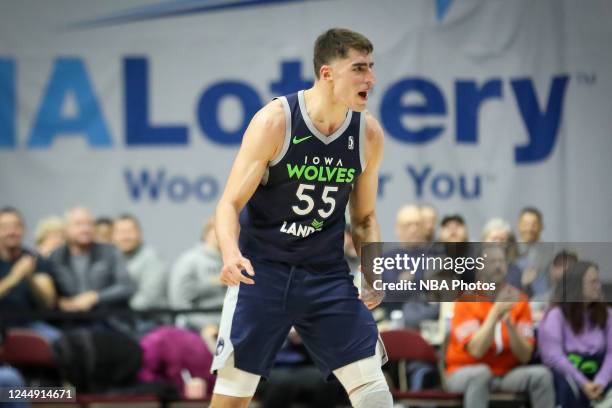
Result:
370,296
231,273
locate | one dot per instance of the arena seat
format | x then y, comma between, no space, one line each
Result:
407,345
24,347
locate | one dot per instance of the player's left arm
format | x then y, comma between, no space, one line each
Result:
362,204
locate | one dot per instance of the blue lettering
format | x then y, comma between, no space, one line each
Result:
178,189
209,105
144,184
138,130
542,126
155,184
206,188
419,179
69,77
443,186
468,100
392,109
8,139
290,80
464,189
383,178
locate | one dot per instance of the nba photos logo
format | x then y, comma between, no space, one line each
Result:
351,143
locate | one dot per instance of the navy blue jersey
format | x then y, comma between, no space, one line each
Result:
296,215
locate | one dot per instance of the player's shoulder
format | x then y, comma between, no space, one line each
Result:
373,129
374,137
271,116
266,132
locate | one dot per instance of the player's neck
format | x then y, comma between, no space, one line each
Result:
326,114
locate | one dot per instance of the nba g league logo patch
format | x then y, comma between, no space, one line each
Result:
220,346
351,143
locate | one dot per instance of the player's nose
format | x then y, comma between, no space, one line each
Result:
370,77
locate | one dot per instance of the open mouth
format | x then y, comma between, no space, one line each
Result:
363,95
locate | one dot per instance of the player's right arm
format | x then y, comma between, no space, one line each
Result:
262,141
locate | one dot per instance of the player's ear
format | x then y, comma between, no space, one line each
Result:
325,72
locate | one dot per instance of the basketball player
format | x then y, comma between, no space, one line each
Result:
280,226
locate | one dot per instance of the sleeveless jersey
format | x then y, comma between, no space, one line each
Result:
297,213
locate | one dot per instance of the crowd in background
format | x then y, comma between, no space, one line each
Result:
527,338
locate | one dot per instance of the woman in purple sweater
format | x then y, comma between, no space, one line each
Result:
575,339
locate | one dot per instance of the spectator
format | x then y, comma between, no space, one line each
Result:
194,283
455,239
499,230
575,340
409,226
50,235
491,338
178,357
453,229
429,216
88,273
410,231
534,256
530,225
25,280
104,230
557,271
143,264
496,230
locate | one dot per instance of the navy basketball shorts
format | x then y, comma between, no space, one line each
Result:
320,302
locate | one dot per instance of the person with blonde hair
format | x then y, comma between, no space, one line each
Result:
50,235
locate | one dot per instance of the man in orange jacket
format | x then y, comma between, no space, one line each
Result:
491,340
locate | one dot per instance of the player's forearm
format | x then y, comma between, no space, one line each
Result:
227,229
365,230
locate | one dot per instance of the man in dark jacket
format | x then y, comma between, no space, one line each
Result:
88,273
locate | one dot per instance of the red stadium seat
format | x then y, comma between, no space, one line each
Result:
404,346
408,345
24,347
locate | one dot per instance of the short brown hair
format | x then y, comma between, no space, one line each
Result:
336,43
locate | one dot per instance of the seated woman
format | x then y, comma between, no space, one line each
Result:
575,339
